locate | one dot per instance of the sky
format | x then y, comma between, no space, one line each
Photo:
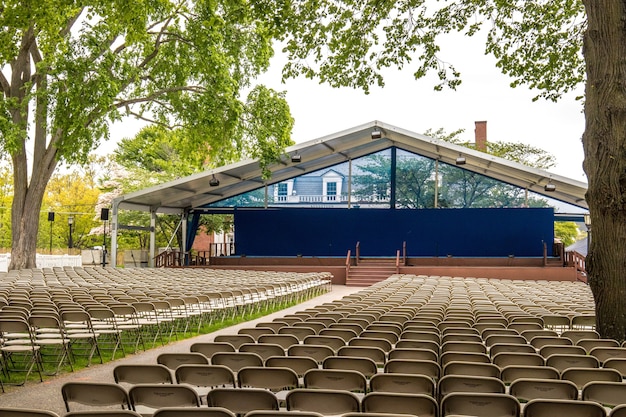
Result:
484,95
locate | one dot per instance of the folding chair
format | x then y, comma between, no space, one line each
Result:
94,395
147,398
242,400
374,353
235,340
365,366
173,360
316,352
480,404
528,389
104,323
464,383
570,408
325,402
471,369
609,394
264,350
53,343
414,366
19,352
299,364
209,348
513,358
333,342
82,335
281,413
336,379
25,412
236,360
298,331
402,383
133,374
563,362
283,340
193,412
413,353
582,376
101,413
511,373
619,411
400,403
203,378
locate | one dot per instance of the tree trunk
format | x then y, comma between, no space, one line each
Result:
604,143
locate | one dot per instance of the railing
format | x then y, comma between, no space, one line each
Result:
576,260
174,258
404,253
398,261
348,264
545,254
357,253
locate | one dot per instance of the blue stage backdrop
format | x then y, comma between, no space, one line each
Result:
428,232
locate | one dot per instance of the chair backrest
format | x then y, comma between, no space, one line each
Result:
274,378
512,372
173,360
284,340
480,404
242,400
380,343
299,364
336,379
514,358
25,412
413,366
606,393
205,376
236,360
464,383
142,374
510,348
345,334
94,413
257,331
582,376
527,389
540,341
576,335
235,340
413,353
333,342
402,383
210,348
471,368
365,366
264,350
298,331
323,401
619,364
147,398
94,395
446,357
374,353
281,413
563,362
549,350
316,352
400,403
570,408
605,353
193,412
619,411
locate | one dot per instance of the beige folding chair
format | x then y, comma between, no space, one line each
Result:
173,360
582,376
549,350
365,366
619,411
325,402
513,358
236,360
333,342
54,346
400,403
590,344
563,362
530,334
619,364
256,332
242,400
298,331
508,339
471,369
576,335
19,353
147,398
282,413
511,373
278,380
193,412
609,394
606,353
379,343
102,413
83,337
402,383
316,352
570,408
463,383
204,378
235,340
299,364
264,350
527,389
336,379
510,348
345,334
413,353
283,340
374,353
447,357
413,366
94,395
133,374
418,344
480,404
210,348
540,341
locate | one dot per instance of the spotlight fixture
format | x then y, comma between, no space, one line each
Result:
377,134
295,158
460,160
214,182
549,187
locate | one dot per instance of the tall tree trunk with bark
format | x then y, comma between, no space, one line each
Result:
604,143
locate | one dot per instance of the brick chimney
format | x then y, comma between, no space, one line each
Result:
480,136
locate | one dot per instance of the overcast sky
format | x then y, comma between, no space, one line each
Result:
411,104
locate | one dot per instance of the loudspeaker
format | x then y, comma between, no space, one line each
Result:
51,216
104,214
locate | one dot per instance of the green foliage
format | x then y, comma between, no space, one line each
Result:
349,42
567,232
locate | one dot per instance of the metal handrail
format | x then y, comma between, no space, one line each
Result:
404,253
348,263
398,261
358,252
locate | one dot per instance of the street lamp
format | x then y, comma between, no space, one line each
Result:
51,220
587,219
70,222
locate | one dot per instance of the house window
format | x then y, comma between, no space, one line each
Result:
282,191
331,191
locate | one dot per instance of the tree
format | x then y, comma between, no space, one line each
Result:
551,46
70,68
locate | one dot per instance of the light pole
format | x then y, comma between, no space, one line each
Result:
70,222
51,220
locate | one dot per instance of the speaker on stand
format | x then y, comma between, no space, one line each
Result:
104,216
